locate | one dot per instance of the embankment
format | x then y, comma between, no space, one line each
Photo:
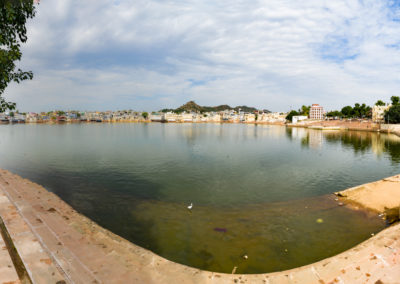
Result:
59,245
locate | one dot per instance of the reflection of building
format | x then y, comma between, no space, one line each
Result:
299,133
316,112
378,113
379,142
315,138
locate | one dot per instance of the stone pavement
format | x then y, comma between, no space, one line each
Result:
58,245
8,274
381,196
37,261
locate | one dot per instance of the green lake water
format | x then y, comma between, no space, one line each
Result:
256,190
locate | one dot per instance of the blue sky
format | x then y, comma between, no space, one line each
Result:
148,55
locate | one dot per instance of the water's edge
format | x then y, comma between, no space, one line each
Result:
143,265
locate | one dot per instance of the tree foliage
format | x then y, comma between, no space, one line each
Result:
395,100
392,115
291,114
347,111
358,111
13,17
334,113
380,103
305,110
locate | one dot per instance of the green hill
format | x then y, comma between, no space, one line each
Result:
191,106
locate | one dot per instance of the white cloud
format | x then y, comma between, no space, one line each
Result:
268,53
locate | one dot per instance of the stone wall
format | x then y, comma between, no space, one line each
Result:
390,128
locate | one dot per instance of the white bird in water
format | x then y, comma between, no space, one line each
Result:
190,206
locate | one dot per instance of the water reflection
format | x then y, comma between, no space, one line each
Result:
360,142
252,182
275,236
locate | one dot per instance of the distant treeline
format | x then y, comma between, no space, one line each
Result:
392,115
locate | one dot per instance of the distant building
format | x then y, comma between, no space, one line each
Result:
378,113
156,117
171,117
187,117
272,117
316,112
249,117
297,118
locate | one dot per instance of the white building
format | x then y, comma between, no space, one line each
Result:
249,117
272,117
215,117
187,117
317,112
297,118
378,113
155,117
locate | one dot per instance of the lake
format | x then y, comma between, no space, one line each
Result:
262,195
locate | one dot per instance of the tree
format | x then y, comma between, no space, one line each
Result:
13,17
395,100
291,114
392,115
380,103
145,115
347,111
334,113
356,110
365,111
305,110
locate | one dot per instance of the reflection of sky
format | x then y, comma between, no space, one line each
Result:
137,180
204,162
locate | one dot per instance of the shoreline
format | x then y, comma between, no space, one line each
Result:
83,252
148,121
316,125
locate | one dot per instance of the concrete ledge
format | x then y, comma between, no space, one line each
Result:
382,196
8,273
35,260
83,252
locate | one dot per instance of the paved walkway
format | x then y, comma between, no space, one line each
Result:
58,245
37,260
8,274
378,196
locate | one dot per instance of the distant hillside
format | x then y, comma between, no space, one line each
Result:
192,106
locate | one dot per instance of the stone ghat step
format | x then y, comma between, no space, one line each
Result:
59,245
381,196
36,260
8,273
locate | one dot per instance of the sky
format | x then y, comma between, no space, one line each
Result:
154,54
